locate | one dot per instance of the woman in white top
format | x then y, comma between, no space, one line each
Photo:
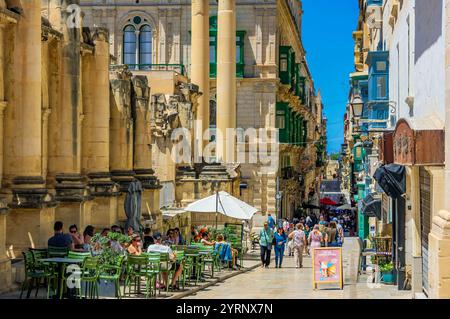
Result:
299,242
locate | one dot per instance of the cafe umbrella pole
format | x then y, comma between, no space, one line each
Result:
217,207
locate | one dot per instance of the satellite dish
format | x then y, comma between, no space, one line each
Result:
374,17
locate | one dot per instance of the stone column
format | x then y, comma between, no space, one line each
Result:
64,137
31,218
226,79
200,65
5,264
142,157
96,131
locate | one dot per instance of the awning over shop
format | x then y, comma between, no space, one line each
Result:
392,179
371,206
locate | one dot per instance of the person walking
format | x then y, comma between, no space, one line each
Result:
270,221
307,230
265,242
299,242
290,244
315,238
280,242
332,235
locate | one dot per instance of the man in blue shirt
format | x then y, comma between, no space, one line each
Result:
271,221
60,239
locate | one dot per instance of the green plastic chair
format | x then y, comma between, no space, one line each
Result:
89,275
113,273
70,255
78,255
54,252
193,264
180,258
138,267
34,273
208,259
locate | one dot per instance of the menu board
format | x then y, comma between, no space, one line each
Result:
327,266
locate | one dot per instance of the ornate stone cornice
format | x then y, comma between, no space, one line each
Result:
100,34
50,33
8,17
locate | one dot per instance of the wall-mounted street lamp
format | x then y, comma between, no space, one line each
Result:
357,106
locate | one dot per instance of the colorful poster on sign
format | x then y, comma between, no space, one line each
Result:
327,266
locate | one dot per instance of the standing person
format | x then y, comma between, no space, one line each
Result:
340,231
315,238
280,242
299,242
286,225
323,231
270,221
307,230
265,242
309,221
332,235
290,244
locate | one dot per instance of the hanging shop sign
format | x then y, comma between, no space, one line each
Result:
418,147
327,266
386,148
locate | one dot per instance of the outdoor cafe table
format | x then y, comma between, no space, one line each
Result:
62,261
199,254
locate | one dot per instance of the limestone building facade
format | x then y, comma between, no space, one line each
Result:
274,87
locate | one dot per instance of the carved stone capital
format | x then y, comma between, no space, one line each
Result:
141,91
164,114
147,177
30,192
123,178
101,185
72,188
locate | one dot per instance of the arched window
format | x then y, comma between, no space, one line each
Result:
129,45
145,45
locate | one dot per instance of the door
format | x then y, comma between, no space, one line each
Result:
425,222
398,224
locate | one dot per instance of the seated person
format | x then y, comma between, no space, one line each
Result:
60,239
135,246
116,229
130,231
226,251
180,239
158,247
205,240
105,232
148,239
77,238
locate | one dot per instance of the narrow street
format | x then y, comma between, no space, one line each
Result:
291,283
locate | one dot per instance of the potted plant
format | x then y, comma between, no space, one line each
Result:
108,254
387,272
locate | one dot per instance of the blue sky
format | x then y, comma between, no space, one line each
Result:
327,38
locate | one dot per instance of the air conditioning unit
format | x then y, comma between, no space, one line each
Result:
374,18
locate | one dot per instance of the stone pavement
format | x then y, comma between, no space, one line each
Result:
291,283
249,263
